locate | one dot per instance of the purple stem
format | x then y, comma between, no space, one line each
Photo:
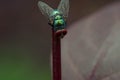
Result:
56,55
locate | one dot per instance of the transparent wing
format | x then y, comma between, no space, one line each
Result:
64,7
45,9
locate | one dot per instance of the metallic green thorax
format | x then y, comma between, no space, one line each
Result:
58,21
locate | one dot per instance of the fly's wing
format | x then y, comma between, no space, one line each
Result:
64,7
45,9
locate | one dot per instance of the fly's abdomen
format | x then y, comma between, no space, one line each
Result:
59,24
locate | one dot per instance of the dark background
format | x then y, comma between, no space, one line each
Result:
25,36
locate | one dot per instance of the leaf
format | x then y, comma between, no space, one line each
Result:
91,49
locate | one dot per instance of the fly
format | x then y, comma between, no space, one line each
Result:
56,17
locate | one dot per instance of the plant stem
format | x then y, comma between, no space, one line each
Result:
56,56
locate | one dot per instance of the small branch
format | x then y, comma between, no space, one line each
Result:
56,52
56,48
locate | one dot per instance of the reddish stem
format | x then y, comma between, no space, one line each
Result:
56,55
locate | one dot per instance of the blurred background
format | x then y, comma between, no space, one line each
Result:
25,36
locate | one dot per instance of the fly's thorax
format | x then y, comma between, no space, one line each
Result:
53,17
57,20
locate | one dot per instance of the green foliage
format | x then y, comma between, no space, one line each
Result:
16,67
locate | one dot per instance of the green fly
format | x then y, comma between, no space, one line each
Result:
57,17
